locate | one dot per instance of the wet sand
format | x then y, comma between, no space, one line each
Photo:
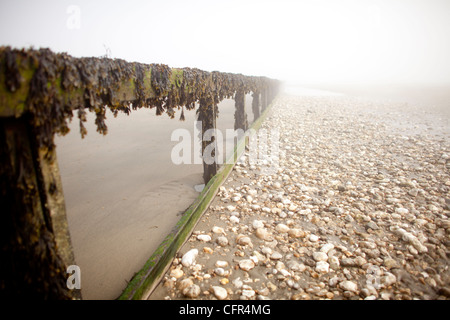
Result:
123,193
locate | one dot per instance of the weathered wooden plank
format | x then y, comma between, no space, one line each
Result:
83,82
49,87
207,116
65,80
240,116
264,100
255,105
52,196
30,260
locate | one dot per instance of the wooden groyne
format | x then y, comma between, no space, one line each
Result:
40,92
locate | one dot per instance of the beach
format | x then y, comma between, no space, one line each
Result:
123,193
358,208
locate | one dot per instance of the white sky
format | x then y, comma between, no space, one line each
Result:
310,42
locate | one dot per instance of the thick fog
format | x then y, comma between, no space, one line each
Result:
306,42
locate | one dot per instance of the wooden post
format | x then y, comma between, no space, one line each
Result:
207,115
53,197
264,99
35,245
270,95
255,105
240,117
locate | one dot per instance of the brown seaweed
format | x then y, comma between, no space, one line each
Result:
61,84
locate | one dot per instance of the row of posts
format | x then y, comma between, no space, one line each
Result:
34,235
240,121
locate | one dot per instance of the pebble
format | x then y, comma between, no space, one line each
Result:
218,230
271,286
219,271
334,262
390,263
296,233
348,262
244,240
246,264
388,279
322,267
327,247
176,273
222,241
401,211
219,292
221,264
282,228
189,257
184,284
234,219
320,256
359,261
333,281
295,266
372,225
238,283
204,237
262,234
349,286
192,291
276,256
257,224
208,250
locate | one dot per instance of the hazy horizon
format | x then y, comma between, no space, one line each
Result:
318,42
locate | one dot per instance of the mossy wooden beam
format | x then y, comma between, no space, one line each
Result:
49,87
26,73
14,98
